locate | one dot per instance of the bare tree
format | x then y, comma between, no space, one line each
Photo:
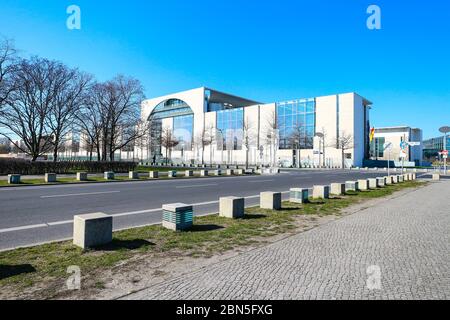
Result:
62,114
7,66
25,112
345,142
204,139
271,135
168,141
5,146
248,137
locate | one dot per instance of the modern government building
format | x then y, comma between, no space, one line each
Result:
216,127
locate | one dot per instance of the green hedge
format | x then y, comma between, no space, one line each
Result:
24,167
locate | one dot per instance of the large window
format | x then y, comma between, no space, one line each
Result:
297,124
183,129
230,128
377,147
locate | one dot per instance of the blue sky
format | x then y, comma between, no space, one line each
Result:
264,50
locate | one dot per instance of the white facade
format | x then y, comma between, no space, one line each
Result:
334,115
397,135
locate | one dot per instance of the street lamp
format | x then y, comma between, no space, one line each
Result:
445,130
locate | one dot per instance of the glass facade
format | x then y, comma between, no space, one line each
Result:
171,108
296,122
183,131
377,147
230,127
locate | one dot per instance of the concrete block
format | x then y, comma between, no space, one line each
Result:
351,186
153,174
204,173
217,172
381,182
372,183
298,195
270,200
172,174
178,216
91,230
133,175
50,177
388,180
363,185
436,177
321,192
14,179
414,176
82,176
337,189
231,207
394,179
109,175
230,172
400,178
249,171
189,173
240,171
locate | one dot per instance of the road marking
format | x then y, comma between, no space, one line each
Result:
260,181
35,226
78,194
197,186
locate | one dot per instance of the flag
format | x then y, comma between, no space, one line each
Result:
372,134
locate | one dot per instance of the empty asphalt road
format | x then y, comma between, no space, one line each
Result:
31,215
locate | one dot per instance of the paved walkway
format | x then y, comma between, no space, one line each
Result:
407,238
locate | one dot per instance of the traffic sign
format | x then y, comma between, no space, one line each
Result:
403,145
444,152
414,144
387,146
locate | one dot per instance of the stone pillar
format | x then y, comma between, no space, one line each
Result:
109,175
351,186
372,183
92,230
204,173
298,195
363,185
178,216
270,200
14,179
172,174
50,177
337,189
133,175
82,176
231,207
153,174
321,192
381,182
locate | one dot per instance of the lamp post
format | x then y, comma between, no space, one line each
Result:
445,130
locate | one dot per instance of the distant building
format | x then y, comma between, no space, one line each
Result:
432,147
397,136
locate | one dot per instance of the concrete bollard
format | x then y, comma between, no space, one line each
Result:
14,179
91,230
231,207
230,172
270,200
414,176
82,176
410,177
400,178
351,186
240,172
50,177
363,185
298,195
388,180
372,183
177,216
321,192
153,174
189,173
337,189
381,182
217,172
204,173
134,175
109,175
172,174
436,177
249,171
394,179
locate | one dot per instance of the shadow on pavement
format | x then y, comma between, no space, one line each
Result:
125,244
11,271
205,227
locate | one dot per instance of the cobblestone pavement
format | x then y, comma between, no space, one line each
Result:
407,239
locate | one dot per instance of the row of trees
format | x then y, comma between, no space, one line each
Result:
42,101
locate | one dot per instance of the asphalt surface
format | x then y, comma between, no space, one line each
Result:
33,215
